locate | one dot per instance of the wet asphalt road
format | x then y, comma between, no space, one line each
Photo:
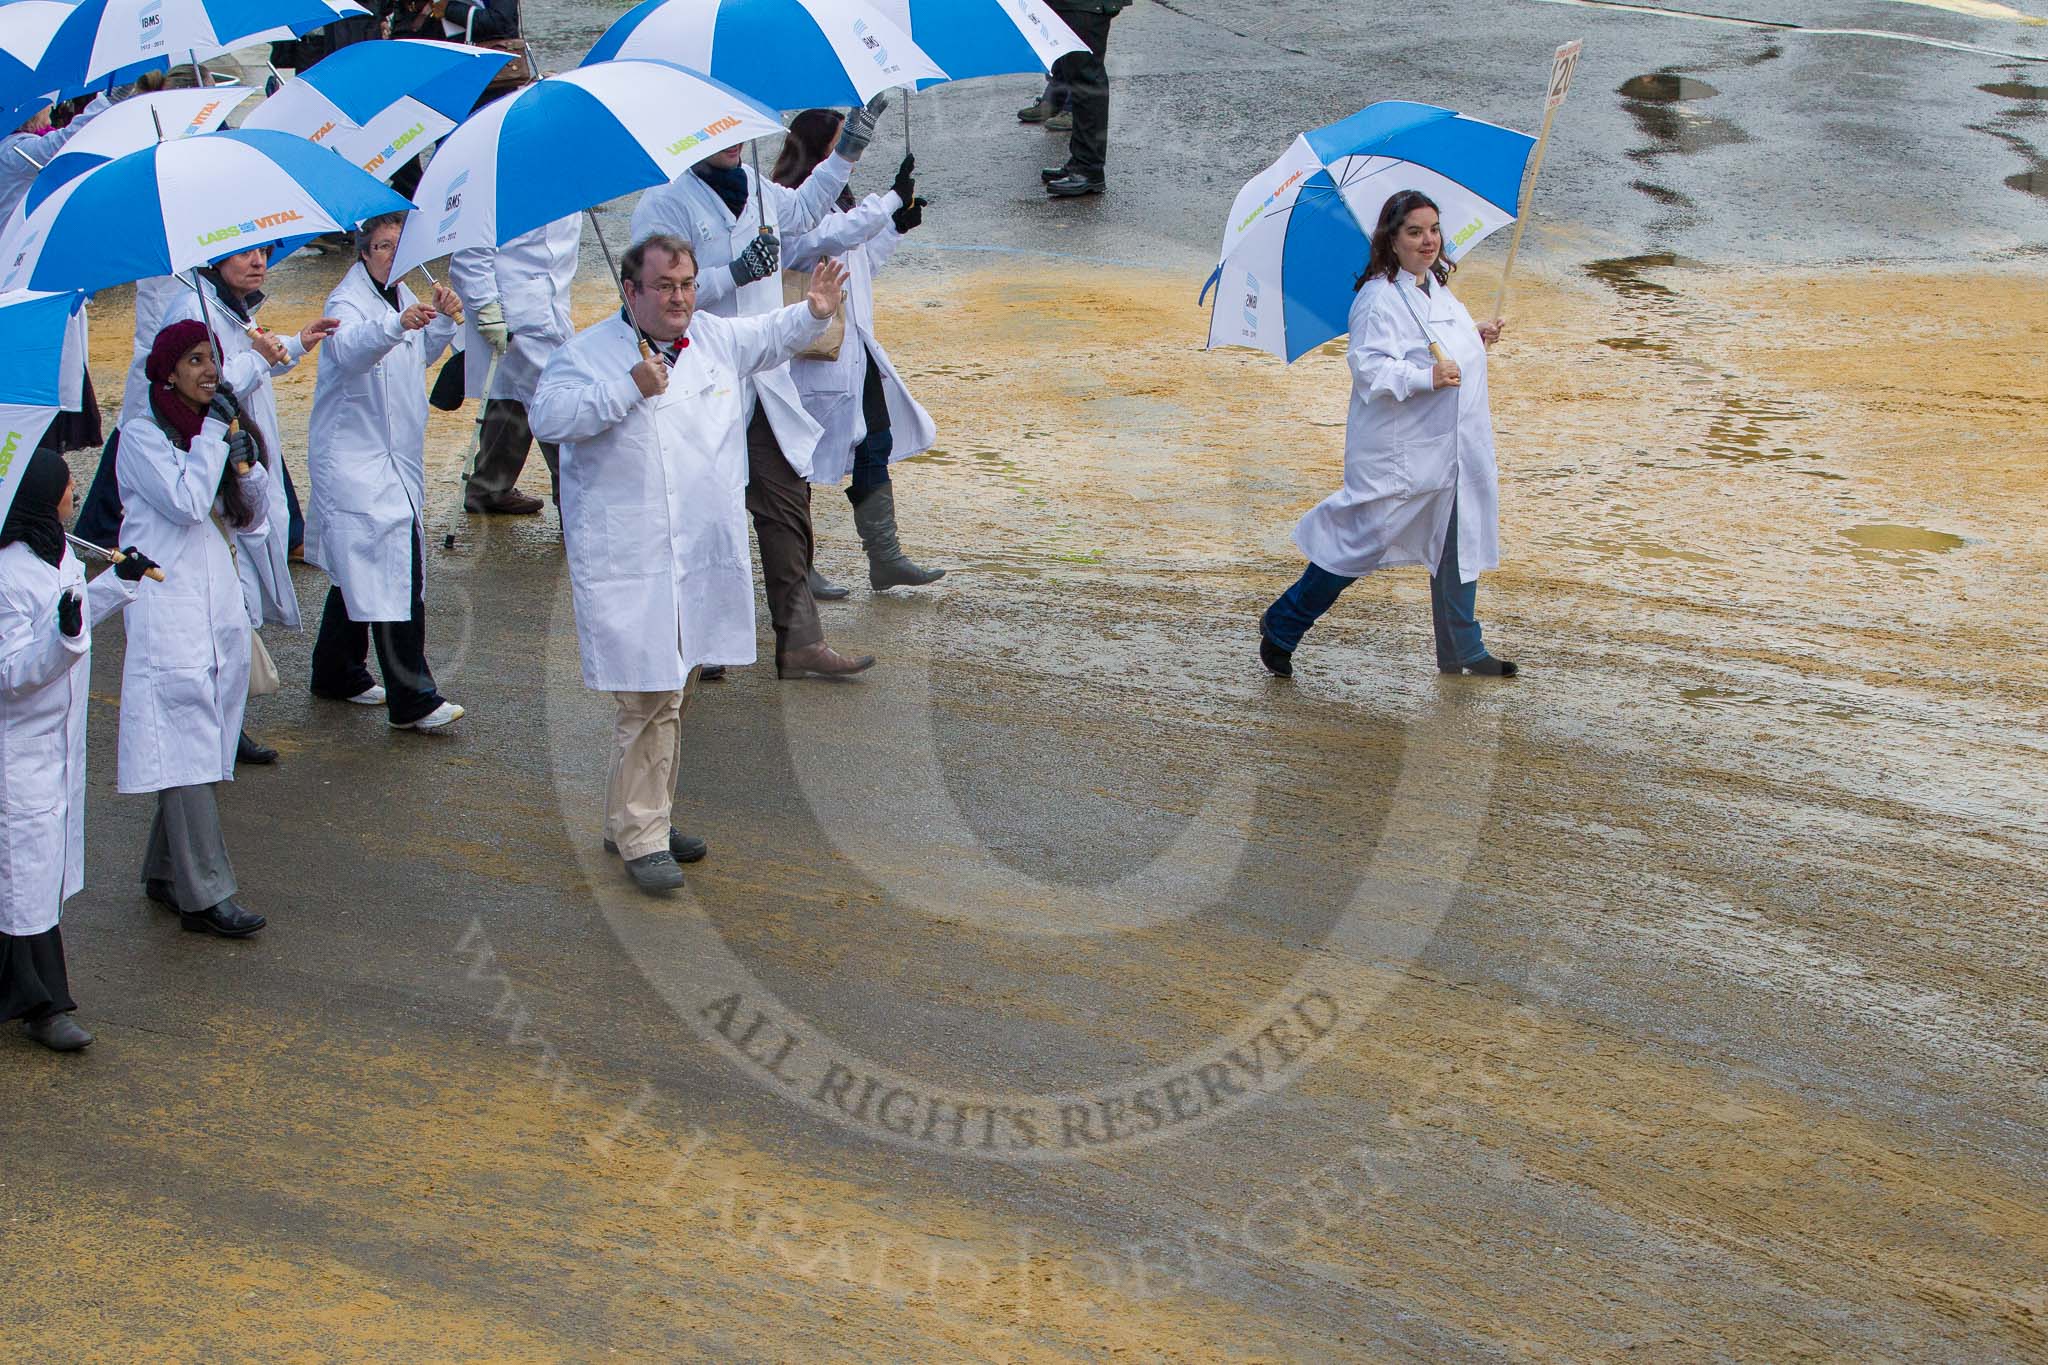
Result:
387,863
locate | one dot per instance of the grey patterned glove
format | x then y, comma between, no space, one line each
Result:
241,449
758,261
860,127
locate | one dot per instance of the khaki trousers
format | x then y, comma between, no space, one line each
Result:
640,795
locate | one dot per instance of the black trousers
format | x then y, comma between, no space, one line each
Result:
1087,79
341,653
502,449
779,500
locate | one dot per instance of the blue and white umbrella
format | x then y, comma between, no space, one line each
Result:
41,345
972,38
788,54
182,204
26,28
106,42
568,143
135,123
1299,234
381,104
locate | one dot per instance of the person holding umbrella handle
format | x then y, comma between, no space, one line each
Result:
47,610
1420,486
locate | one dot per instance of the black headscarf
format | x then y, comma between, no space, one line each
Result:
32,518
727,182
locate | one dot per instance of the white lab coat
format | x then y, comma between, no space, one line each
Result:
530,279
864,239
263,558
654,494
186,674
1409,449
688,208
44,677
366,447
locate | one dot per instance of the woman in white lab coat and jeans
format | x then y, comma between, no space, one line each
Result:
1420,485
866,415
47,612
187,483
367,456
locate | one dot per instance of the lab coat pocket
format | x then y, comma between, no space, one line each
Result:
1427,463
32,773
171,633
628,550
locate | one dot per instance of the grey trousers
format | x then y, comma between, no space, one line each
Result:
187,850
502,449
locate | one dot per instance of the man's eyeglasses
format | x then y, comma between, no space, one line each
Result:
669,289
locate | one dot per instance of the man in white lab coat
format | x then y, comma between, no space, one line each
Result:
734,222
649,409
516,300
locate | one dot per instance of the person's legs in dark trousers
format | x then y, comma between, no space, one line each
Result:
295,520
341,653
779,500
409,691
99,516
1301,606
502,449
1087,80
871,456
1452,606
187,849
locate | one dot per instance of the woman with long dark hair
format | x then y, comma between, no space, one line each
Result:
1420,485
867,414
47,612
187,485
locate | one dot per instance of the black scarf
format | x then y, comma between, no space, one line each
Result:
243,306
32,518
727,182
387,292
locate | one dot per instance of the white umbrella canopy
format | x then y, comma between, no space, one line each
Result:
568,143
46,365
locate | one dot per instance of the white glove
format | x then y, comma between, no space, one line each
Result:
490,322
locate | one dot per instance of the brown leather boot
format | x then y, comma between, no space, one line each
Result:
822,660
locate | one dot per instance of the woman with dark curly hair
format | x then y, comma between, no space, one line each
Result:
1420,485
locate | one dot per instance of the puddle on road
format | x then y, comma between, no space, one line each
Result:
1624,274
1742,428
1648,345
1662,103
1906,540
2017,90
1729,699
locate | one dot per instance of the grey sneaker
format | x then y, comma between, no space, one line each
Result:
1062,122
59,1033
655,872
1034,112
684,848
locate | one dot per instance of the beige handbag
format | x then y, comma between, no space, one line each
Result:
263,679
796,287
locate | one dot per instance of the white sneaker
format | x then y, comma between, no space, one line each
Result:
447,713
373,695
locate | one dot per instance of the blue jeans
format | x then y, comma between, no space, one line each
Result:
1451,606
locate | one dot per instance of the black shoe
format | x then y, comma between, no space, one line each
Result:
226,919
248,750
655,872
1487,667
1051,173
824,589
162,892
684,848
1279,662
711,673
1074,185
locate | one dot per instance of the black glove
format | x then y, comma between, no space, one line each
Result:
134,564
70,615
905,186
909,216
241,448
758,261
224,406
